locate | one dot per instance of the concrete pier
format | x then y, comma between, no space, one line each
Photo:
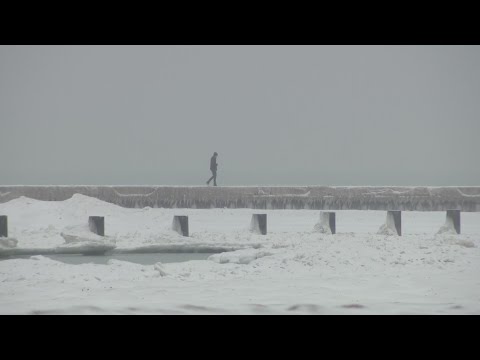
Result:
420,198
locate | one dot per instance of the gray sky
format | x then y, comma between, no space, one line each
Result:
277,115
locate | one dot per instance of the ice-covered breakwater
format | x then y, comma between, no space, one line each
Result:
264,197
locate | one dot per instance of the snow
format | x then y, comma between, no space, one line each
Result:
291,270
79,239
389,227
448,227
240,256
7,243
82,233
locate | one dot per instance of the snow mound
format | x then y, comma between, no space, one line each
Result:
465,243
21,201
239,257
39,258
79,239
447,228
160,269
81,233
385,229
454,240
89,202
322,228
8,243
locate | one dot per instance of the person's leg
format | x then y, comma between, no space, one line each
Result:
214,178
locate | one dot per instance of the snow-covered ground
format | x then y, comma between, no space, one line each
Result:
291,270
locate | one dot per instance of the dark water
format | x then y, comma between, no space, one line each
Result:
143,259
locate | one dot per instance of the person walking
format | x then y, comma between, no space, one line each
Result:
213,169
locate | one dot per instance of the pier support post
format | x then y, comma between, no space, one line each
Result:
453,219
97,225
180,225
393,224
326,224
394,221
3,226
259,224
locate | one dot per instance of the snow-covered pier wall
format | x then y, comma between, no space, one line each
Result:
264,197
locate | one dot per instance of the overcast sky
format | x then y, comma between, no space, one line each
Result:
277,115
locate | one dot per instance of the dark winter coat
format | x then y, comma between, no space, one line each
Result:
213,164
